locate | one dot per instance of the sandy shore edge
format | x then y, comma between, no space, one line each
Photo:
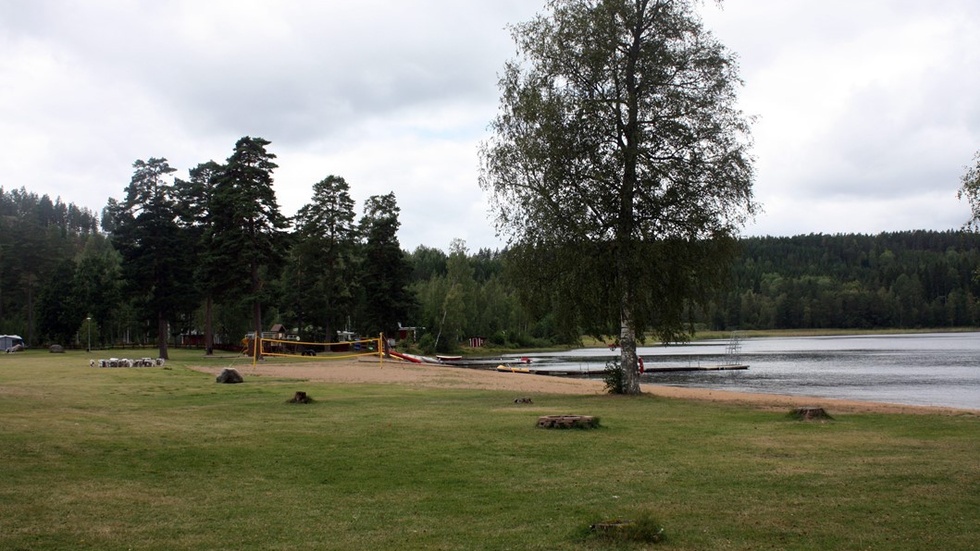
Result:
363,371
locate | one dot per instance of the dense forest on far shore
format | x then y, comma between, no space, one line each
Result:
910,279
61,281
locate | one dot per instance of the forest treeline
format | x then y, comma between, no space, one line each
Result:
910,279
63,281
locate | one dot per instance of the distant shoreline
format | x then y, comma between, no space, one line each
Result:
708,335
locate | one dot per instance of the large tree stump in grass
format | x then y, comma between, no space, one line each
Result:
568,422
810,413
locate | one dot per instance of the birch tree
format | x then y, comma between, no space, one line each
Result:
619,166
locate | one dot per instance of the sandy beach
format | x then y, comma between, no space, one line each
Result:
365,371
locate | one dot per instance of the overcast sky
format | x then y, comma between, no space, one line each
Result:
868,110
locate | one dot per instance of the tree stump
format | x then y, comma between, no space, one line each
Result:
568,422
300,398
810,413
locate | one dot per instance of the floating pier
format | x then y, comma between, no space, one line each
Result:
587,370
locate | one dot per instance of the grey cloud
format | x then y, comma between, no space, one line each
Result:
364,89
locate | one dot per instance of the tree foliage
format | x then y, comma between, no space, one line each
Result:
619,166
61,280
916,279
385,272
36,233
909,280
248,240
156,266
194,207
97,288
970,188
59,314
320,279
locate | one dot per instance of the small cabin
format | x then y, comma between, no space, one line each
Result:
408,333
279,330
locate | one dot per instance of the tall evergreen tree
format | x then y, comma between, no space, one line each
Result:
156,268
385,271
59,315
320,275
194,206
247,226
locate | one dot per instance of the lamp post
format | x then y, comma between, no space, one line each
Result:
88,321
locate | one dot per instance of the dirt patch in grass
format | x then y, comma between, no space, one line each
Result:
437,376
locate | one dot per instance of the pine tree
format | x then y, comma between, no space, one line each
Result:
385,271
320,275
248,241
156,268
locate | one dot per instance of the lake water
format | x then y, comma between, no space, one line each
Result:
941,369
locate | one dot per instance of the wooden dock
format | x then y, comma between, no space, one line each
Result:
723,367
557,371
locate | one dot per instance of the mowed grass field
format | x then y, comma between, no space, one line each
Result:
165,458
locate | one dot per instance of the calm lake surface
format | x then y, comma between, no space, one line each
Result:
941,369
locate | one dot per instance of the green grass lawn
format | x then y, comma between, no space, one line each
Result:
154,458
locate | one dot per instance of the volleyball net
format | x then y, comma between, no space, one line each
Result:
312,350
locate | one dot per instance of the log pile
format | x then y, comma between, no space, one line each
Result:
127,362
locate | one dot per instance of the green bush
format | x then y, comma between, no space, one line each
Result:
516,339
498,339
427,344
613,377
447,345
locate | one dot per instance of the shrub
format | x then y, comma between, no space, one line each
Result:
612,376
498,339
427,343
447,345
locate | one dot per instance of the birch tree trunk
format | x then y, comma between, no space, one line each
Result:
627,347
